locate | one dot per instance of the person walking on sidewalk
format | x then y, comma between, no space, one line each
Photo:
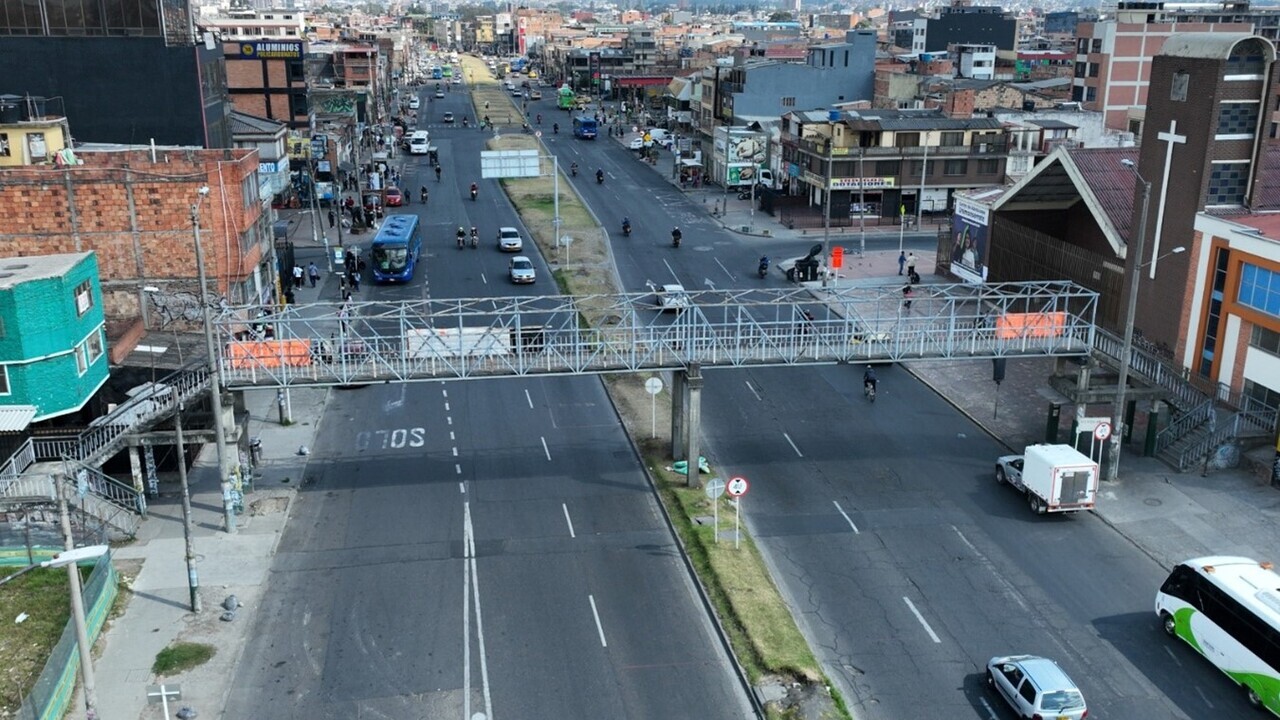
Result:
297,275
332,218
911,264
355,280
313,273
902,260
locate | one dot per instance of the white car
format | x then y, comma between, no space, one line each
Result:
672,297
439,94
448,117
414,103
509,240
637,143
521,270
1036,687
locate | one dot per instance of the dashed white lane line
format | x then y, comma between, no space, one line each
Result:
455,451
792,444
753,390
990,713
484,279
462,488
1204,697
446,407
932,635
528,398
725,269
457,468
847,518
444,391
449,420
596,615
451,437
546,449
568,520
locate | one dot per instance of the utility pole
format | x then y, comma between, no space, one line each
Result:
826,212
1126,351
862,203
193,579
924,171
77,616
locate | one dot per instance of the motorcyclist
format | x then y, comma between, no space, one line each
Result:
475,237
869,380
764,265
573,169
600,176
462,236
437,173
539,118
676,236
422,194
626,226
475,190
555,128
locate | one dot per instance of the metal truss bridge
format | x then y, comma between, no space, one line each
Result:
359,343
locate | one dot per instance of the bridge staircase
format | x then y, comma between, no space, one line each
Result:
45,468
1204,417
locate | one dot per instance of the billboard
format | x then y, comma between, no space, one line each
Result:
268,50
745,152
970,228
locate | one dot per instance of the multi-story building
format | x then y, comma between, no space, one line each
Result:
962,23
1113,57
269,138
30,132
252,24
268,78
132,207
53,351
125,75
975,61
902,161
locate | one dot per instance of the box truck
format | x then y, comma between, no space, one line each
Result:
1055,478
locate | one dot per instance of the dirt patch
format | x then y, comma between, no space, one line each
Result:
269,505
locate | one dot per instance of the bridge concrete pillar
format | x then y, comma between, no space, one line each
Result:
678,393
693,421
135,467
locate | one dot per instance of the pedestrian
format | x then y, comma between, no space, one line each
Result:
313,273
902,260
332,218
355,281
911,264
906,297
297,275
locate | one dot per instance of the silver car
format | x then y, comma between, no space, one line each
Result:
521,270
509,240
672,297
1036,687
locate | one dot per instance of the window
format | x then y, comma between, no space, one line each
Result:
296,70
1275,131
988,167
249,190
1213,320
84,297
917,168
955,167
1028,692
1178,87
247,239
1260,289
888,167
37,149
298,106
906,139
1080,69
93,347
1265,339
952,139
81,365
1095,45
788,102
1262,394
4,379
4,144
1227,183
1090,94
1237,120
1093,69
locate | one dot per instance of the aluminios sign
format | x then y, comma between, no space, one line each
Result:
271,49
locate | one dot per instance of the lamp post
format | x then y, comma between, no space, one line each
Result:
1126,349
826,211
215,384
70,558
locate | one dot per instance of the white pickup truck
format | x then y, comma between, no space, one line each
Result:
1055,478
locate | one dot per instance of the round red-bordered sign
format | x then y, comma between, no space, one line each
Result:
737,486
1102,431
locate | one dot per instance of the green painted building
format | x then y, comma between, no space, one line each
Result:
53,345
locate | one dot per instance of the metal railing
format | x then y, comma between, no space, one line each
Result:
1150,367
92,480
493,337
1187,423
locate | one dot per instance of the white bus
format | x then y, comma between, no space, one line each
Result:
1228,609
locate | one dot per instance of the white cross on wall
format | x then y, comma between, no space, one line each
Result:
1169,138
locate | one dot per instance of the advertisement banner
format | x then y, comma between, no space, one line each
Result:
870,183
268,50
970,228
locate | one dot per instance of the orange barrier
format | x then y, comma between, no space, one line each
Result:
1012,326
269,353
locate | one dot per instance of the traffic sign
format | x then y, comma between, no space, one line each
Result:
837,256
1102,431
714,488
537,133
738,486
653,385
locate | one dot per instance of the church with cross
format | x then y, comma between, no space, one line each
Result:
1202,188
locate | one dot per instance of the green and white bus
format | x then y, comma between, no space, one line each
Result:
1228,609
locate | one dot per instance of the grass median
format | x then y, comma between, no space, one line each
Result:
758,622
43,597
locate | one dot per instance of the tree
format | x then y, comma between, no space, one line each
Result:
781,16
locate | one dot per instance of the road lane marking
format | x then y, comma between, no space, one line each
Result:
475,593
753,390
455,451
793,445
1204,697
932,635
568,520
484,279
466,614
446,407
1172,656
1009,589
528,397
451,437
671,270
596,615
546,449
457,468
725,269
990,713
462,488
847,518
449,419
445,391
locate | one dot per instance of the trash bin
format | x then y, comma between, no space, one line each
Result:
255,450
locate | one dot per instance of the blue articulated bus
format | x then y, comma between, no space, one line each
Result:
584,127
396,249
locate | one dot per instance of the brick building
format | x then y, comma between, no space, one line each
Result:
268,79
132,207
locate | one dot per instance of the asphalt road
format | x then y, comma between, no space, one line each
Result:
483,547
908,566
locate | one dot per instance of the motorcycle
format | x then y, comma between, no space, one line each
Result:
744,195
626,229
462,241
599,178
675,238
555,129
474,193
423,196
475,239
763,270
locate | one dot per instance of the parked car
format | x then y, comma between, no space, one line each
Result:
414,103
395,198
509,240
1036,687
521,270
637,143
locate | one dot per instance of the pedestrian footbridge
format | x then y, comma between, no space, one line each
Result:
356,343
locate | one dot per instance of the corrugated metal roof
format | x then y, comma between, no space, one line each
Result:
1111,183
1053,124
16,418
936,122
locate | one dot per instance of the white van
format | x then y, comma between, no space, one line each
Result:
419,143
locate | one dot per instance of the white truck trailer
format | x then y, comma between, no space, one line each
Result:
1055,478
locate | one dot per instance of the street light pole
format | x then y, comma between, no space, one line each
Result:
1126,350
77,617
193,578
862,204
826,211
215,384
